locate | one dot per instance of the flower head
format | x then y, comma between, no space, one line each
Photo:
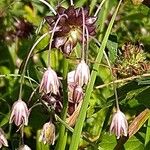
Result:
3,140
48,133
82,74
20,113
24,147
50,82
119,125
69,28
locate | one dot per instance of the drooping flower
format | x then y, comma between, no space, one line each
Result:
3,140
48,133
69,29
119,125
50,82
82,74
20,113
24,147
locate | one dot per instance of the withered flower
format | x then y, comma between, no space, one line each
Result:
132,61
82,74
20,113
69,29
119,125
3,140
48,133
50,82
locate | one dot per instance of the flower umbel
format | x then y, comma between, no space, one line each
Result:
50,82
48,133
3,140
69,29
119,125
20,113
82,74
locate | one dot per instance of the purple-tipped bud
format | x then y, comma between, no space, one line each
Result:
50,82
119,125
24,147
59,41
82,73
3,140
48,133
77,94
90,20
20,113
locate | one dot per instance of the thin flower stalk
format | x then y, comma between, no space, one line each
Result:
52,35
26,62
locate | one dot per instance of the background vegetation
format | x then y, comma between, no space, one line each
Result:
131,26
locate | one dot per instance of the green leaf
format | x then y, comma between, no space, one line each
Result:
40,145
112,49
80,121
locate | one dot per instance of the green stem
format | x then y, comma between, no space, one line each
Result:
99,8
147,138
80,121
50,7
103,17
26,62
17,75
62,140
52,35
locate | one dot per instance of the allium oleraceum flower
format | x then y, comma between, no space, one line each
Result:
3,140
119,125
20,113
50,82
69,29
48,133
82,73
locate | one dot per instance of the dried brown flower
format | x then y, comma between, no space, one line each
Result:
48,133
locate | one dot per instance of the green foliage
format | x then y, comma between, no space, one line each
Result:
115,25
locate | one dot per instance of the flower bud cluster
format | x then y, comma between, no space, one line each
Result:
69,29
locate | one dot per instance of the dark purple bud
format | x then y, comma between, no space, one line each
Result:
60,10
49,19
71,12
91,30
